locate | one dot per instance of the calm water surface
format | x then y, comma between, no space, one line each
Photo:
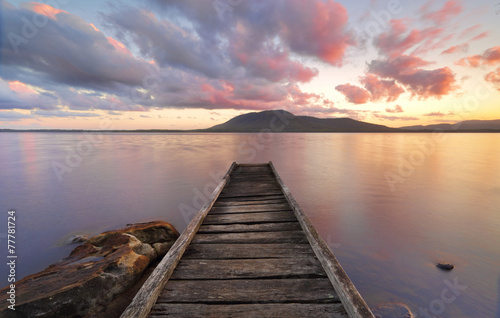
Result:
389,205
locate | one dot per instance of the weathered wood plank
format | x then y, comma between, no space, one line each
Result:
245,194
237,191
249,310
354,304
257,227
236,251
296,237
251,198
249,218
248,268
251,208
147,295
220,203
319,290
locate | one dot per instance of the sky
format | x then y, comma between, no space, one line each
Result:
189,64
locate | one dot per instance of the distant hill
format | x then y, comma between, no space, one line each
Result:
468,125
283,121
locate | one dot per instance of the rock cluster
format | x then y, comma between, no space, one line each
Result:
94,274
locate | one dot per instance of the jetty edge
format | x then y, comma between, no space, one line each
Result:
313,281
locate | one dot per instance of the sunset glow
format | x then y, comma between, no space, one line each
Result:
194,64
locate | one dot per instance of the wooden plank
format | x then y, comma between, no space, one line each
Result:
249,218
236,251
249,310
220,203
248,268
244,195
319,290
239,191
257,227
296,237
152,287
354,304
252,198
251,208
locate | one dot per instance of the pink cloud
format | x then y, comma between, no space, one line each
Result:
489,57
406,70
395,109
21,88
393,118
317,28
494,77
435,114
480,36
119,46
354,94
381,89
465,33
43,9
449,10
461,48
399,40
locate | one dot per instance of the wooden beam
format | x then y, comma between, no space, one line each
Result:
249,310
354,304
149,292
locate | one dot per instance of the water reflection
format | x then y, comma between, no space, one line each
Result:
388,241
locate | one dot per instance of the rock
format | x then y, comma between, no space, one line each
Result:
445,266
162,248
392,310
93,275
80,238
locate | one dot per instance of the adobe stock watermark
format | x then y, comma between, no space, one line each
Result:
225,6
30,28
448,295
379,20
426,144
84,148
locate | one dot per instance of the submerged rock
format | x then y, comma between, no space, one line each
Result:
94,274
80,238
445,266
392,310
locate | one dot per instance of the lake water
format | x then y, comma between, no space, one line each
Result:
389,205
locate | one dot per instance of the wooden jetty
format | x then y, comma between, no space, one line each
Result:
249,252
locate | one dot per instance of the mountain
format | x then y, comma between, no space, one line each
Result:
283,121
468,125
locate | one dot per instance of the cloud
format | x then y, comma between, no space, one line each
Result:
62,113
399,39
19,95
461,48
449,10
494,77
354,94
12,115
396,109
316,28
489,57
43,9
407,71
66,50
435,114
394,118
381,89
480,36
